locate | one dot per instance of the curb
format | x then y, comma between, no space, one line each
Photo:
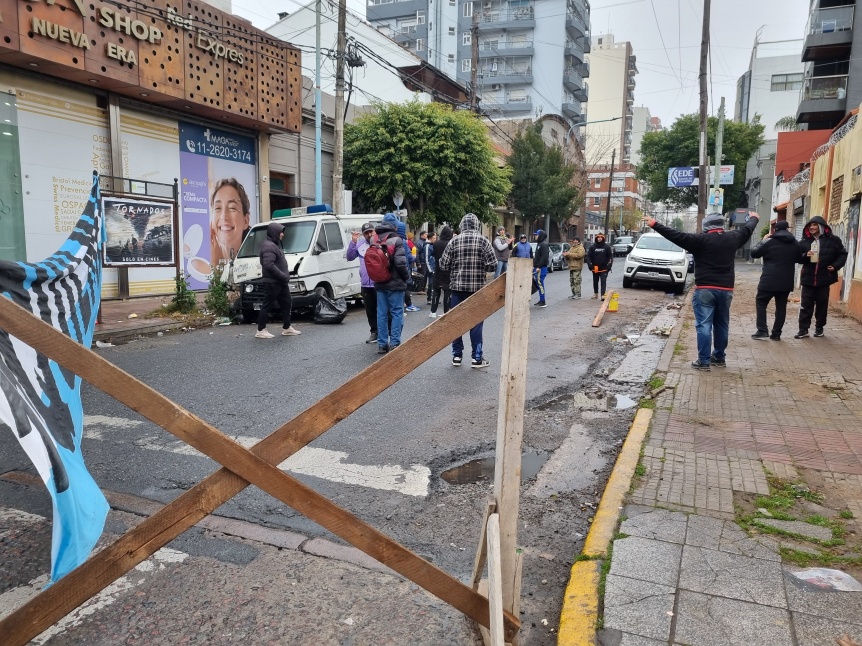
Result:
666,357
580,601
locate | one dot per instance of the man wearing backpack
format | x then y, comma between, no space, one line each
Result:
390,292
467,259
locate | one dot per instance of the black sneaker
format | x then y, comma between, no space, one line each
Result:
699,366
718,363
541,304
456,361
479,363
802,334
372,339
775,337
760,336
818,331
382,349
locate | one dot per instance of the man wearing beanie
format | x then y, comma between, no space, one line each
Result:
779,251
714,253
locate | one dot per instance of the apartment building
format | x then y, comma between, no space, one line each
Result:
514,38
832,83
642,123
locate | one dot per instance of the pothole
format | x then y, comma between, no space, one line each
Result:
482,470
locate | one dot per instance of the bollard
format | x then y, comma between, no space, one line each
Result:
614,305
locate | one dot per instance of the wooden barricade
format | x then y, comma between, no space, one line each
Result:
241,466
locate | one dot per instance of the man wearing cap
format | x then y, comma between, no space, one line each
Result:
359,243
541,260
779,251
714,253
522,249
502,250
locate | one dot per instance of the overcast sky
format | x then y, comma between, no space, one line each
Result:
665,35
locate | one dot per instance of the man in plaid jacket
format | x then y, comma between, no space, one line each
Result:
467,259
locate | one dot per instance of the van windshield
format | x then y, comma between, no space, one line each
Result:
297,238
657,243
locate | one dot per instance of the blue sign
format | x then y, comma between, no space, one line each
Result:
682,176
199,140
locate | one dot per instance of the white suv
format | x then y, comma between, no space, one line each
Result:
655,259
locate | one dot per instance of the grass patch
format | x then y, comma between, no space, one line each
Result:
655,382
640,470
646,403
846,514
678,349
817,519
603,578
804,559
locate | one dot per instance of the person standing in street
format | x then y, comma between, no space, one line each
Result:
600,259
502,250
468,258
390,295
822,255
359,242
430,265
276,280
575,260
441,276
401,229
421,266
780,252
714,253
541,259
522,249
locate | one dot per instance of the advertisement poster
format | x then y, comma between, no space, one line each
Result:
138,232
218,198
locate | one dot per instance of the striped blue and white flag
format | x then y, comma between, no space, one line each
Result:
40,402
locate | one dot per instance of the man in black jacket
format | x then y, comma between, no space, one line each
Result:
276,279
600,259
714,253
541,260
822,255
780,251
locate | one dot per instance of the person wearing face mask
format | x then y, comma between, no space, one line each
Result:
822,255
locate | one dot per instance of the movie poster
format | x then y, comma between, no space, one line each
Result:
139,232
218,197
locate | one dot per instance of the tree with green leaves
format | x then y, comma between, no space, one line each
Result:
678,224
542,183
439,159
679,145
787,124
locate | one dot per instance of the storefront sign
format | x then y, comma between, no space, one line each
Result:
139,232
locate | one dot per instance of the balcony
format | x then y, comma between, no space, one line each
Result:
379,10
572,80
586,41
576,25
630,98
508,105
631,83
584,93
499,18
493,49
584,69
572,109
407,34
574,49
506,75
829,33
822,98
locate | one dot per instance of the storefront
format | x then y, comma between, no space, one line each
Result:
173,104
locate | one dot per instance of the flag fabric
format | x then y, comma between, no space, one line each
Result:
40,402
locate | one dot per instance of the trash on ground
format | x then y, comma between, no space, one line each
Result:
828,579
222,320
674,306
662,331
103,344
133,316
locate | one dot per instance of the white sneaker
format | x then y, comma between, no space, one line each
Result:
432,315
291,331
263,334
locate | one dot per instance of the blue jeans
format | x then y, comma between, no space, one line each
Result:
389,303
502,265
539,276
475,332
712,321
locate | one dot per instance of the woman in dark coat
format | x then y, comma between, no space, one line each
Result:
822,255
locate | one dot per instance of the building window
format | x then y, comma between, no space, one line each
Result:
451,3
451,31
420,17
420,44
468,10
465,65
466,39
598,182
597,201
451,58
554,134
782,82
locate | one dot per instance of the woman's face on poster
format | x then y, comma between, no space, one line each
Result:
228,219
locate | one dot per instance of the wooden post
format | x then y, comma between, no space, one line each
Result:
495,584
481,547
510,424
605,302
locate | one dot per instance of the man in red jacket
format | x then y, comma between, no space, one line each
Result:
714,253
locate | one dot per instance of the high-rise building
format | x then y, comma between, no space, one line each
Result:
612,98
515,37
770,86
642,123
833,70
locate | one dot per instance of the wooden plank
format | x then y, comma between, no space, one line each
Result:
510,420
495,584
191,507
607,301
481,548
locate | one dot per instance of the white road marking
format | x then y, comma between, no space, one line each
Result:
311,461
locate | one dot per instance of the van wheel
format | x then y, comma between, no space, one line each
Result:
248,316
321,290
627,282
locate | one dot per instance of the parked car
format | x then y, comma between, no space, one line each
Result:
655,259
690,262
557,260
623,245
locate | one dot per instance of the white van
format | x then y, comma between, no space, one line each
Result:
315,248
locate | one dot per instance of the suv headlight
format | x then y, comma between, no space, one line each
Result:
249,288
634,258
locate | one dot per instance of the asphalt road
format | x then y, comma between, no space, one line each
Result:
383,463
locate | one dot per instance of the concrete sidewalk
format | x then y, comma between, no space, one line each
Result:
116,325
749,475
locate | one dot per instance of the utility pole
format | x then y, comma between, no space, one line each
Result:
610,185
474,61
338,205
719,141
702,186
318,110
